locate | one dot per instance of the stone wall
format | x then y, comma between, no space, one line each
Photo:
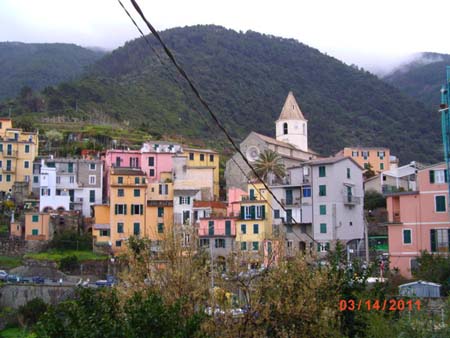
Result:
19,247
16,295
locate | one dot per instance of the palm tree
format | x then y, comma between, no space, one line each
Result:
269,166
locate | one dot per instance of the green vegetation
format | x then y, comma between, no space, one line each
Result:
71,240
434,268
422,78
245,77
39,65
374,200
16,332
8,262
30,313
58,255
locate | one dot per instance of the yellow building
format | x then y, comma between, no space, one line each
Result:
254,227
37,226
18,150
378,158
204,158
130,212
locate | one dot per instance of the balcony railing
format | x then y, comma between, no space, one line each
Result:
290,201
351,200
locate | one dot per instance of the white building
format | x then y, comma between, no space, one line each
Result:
49,199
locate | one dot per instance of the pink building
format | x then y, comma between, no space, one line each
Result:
419,220
153,159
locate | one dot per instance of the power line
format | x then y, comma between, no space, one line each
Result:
202,101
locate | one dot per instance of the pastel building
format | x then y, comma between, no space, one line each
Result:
18,150
378,157
419,219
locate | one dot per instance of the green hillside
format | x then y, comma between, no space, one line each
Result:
422,78
38,65
246,77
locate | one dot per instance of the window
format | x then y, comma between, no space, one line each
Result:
439,240
120,209
211,228
35,232
350,223
104,233
440,205
355,154
202,157
243,228
118,160
91,179
323,228
151,172
381,154
323,246
243,246
285,128
322,190
27,148
160,211
160,228
120,193
365,154
323,209
118,243
8,178
191,156
381,166
211,158
306,191
58,179
8,165
288,216
71,179
1,163
348,173
136,228
151,161
260,212
136,192
137,209
120,180
134,163
35,218
35,179
1,178
228,228
70,167
276,213
163,189
91,196
219,243
27,178
255,246
136,180
406,236
120,228
44,192
289,228
92,166
366,165
256,228
204,242
322,171
438,176
185,200
9,149
26,164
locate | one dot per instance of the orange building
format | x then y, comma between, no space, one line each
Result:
378,157
130,212
37,226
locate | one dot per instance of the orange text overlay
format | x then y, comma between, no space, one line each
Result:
379,305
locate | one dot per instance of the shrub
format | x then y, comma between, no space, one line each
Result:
69,263
30,313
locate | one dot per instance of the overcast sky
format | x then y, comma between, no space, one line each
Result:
372,34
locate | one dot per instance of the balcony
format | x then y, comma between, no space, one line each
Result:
12,153
351,200
9,170
290,201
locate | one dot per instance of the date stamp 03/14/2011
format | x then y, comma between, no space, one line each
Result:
379,305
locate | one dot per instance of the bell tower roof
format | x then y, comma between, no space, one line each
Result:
291,109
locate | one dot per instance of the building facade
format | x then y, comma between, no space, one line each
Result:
419,219
378,157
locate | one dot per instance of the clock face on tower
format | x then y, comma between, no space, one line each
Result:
252,153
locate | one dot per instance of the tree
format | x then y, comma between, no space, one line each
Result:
53,136
30,313
369,172
373,200
269,165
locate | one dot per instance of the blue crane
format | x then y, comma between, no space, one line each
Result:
445,122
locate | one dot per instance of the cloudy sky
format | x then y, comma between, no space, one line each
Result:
372,34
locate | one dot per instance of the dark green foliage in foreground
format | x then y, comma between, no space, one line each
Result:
30,313
71,240
434,268
246,78
101,314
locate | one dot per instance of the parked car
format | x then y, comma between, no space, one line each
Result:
103,283
3,275
38,280
14,279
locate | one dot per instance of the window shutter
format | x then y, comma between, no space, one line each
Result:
142,209
448,239
180,200
188,200
160,189
242,212
445,175
124,209
132,209
431,176
115,209
252,212
327,246
433,240
263,212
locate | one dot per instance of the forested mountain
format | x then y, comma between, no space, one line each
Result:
422,78
246,77
38,65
